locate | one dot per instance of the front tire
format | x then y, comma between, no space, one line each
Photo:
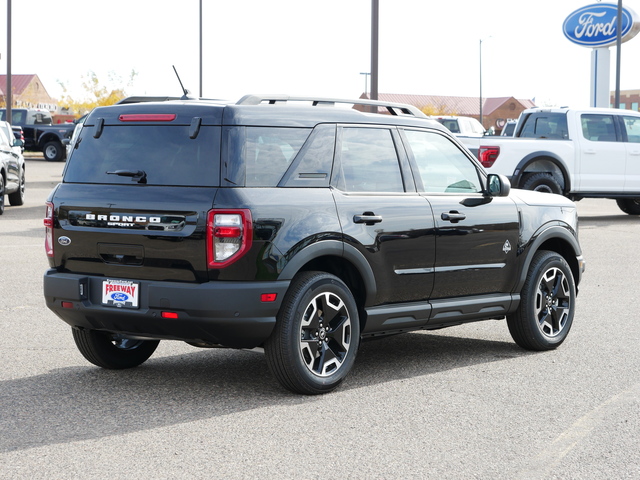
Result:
541,182
630,206
315,340
112,351
547,304
53,151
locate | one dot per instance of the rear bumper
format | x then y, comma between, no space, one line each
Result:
225,313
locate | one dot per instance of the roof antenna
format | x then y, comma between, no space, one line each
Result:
186,93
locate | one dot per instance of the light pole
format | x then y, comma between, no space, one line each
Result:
618,54
200,49
481,40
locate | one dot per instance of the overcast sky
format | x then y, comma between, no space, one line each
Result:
303,47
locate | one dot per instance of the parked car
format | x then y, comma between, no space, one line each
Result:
12,168
467,126
292,226
76,133
40,135
576,152
509,128
18,133
12,136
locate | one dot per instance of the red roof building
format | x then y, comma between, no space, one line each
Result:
27,92
495,111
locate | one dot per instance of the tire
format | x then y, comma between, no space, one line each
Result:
541,182
53,151
1,194
547,304
629,206
114,352
315,340
17,198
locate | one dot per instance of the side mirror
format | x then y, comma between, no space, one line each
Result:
498,185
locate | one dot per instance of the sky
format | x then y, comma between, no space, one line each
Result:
315,48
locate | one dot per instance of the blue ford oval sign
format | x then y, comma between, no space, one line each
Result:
595,25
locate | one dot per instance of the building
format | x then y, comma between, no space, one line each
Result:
629,99
27,92
495,111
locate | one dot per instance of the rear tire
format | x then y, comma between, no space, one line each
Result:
315,340
17,198
53,151
541,182
112,351
630,206
547,304
1,194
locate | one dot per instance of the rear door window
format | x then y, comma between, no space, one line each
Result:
598,128
260,156
368,161
166,155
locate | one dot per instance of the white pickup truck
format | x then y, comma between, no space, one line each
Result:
579,153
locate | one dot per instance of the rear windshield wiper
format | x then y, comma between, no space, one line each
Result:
141,174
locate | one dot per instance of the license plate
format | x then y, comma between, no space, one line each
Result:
120,293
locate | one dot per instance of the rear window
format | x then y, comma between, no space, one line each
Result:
164,153
545,125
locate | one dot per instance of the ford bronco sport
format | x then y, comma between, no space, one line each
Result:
298,226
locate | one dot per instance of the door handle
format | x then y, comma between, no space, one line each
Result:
589,151
453,216
368,218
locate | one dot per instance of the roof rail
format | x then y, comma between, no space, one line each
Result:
392,108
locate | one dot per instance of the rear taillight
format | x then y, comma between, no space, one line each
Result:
488,155
229,236
48,227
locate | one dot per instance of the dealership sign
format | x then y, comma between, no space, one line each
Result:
595,25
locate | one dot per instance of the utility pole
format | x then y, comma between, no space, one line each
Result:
375,9
8,95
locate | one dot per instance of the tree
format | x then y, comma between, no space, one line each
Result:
96,93
437,110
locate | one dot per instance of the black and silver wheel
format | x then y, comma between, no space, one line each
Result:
17,198
113,351
53,151
541,182
547,304
1,194
315,340
630,206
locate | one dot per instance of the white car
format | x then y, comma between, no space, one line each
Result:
462,126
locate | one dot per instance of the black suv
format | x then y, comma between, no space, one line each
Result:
298,226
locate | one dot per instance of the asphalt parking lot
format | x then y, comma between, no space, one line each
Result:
459,403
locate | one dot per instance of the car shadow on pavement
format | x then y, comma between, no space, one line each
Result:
85,402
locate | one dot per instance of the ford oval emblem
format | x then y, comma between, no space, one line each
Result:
64,241
120,297
595,25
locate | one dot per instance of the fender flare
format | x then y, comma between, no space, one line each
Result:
532,157
557,232
334,248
